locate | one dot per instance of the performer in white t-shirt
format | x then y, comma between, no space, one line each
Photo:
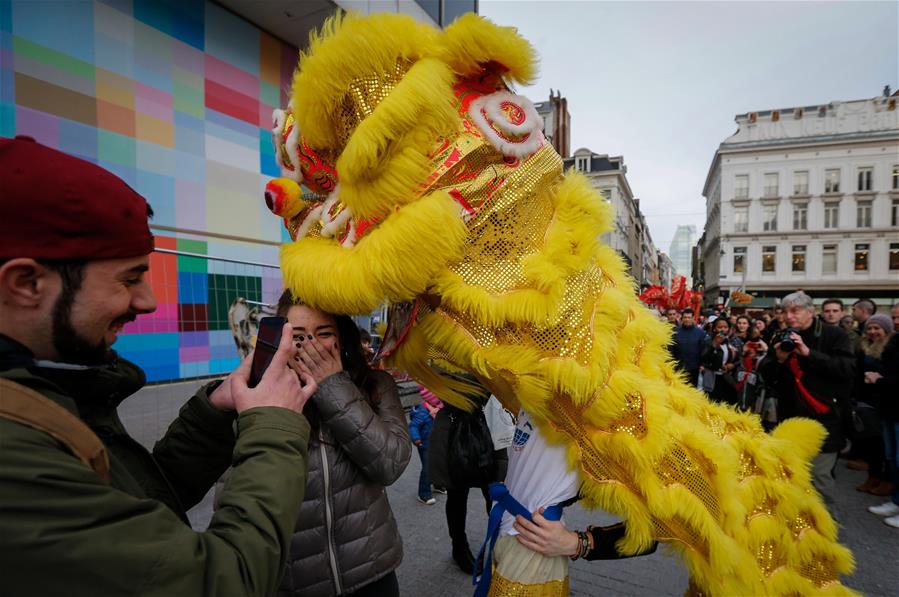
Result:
538,477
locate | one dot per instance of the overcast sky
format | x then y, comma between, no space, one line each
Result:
661,82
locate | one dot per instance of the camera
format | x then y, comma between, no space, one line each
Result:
786,342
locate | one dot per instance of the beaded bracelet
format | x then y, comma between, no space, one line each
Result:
583,546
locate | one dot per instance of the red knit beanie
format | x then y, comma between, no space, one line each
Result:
55,206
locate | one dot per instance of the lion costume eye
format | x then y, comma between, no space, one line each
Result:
510,122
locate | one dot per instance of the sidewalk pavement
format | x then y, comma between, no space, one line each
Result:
428,569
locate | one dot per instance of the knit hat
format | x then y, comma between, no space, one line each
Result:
56,206
883,321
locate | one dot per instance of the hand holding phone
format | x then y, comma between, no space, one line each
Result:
267,341
278,384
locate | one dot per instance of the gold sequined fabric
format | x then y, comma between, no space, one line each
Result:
363,96
503,587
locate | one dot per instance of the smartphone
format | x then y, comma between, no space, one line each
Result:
267,343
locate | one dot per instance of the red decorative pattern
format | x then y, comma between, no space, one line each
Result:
318,175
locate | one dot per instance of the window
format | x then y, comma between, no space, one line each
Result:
861,257
831,214
741,186
800,182
769,217
896,177
582,163
863,214
894,256
741,218
894,213
771,184
832,181
800,216
829,259
739,259
864,178
798,258
769,258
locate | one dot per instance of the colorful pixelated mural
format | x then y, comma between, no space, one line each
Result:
176,98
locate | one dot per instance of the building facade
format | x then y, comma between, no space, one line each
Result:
681,251
666,270
808,198
556,122
175,98
629,235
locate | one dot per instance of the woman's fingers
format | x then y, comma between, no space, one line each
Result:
310,355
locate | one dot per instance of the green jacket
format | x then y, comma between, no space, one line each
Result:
63,531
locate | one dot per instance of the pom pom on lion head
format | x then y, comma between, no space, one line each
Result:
377,93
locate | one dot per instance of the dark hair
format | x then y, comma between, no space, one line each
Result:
746,317
833,302
351,356
687,312
71,272
364,336
724,319
866,304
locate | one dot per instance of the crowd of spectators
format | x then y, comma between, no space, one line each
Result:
836,364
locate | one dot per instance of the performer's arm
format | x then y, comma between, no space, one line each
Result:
552,538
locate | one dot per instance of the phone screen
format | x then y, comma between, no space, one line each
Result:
266,345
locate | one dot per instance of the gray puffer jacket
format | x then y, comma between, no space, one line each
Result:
346,536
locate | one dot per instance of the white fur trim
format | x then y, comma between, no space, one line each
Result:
521,149
493,107
278,119
292,143
332,226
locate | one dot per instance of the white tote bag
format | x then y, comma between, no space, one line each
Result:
501,423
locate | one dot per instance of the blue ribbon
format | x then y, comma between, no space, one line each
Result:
502,502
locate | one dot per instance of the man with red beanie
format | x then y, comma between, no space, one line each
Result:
86,510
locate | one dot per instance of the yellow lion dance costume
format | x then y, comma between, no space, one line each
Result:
432,184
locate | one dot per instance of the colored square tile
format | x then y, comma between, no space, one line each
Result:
114,55
231,39
155,158
192,317
53,28
115,118
114,88
40,125
192,246
160,193
190,207
154,130
193,287
46,97
115,24
227,101
116,148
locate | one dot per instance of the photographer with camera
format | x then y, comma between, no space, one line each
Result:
809,369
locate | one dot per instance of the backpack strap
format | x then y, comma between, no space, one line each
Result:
24,405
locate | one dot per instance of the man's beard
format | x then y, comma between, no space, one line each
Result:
71,346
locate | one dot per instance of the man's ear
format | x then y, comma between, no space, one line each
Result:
25,283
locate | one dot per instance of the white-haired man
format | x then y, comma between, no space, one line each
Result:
809,369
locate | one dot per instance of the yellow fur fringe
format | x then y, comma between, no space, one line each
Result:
471,42
394,262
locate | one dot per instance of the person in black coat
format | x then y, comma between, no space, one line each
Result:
809,368
719,359
886,383
445,474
